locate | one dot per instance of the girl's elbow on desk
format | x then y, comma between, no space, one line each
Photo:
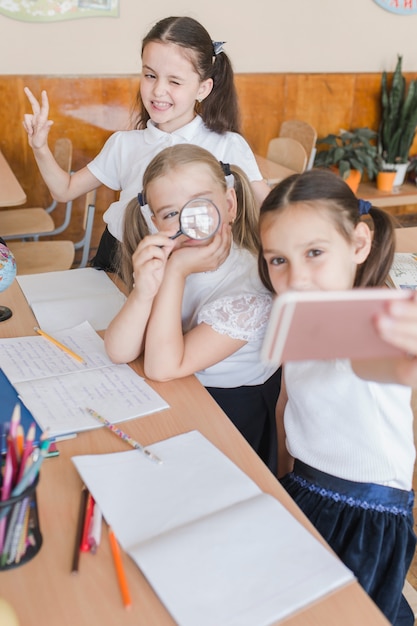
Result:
154,373
118,356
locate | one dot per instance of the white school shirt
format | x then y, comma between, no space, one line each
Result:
122,162
233,301
348,427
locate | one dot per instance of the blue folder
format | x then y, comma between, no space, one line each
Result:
8,400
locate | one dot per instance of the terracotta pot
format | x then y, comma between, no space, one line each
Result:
385,181
353,180
401,171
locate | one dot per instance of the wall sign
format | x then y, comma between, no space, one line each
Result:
401,7
54,10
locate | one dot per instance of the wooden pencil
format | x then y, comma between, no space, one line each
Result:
120,572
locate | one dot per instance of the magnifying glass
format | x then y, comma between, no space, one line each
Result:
199,219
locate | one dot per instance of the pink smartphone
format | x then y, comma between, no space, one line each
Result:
317,325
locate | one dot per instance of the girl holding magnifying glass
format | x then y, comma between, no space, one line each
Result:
200,301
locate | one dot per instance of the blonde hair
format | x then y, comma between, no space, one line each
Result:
244,229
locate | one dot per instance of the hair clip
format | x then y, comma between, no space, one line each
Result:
217,47
225,168
364,206
228,176
141,198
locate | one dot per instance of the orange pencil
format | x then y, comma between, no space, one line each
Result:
27,450
20,440
120,572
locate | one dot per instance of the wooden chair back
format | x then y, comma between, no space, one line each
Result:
303,132
287,152
34,257
34,222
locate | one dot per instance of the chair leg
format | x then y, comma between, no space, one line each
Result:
84,243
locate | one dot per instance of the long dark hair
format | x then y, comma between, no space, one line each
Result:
220,109
330,191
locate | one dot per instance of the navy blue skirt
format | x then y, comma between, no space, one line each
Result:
252,410
369,526
105,257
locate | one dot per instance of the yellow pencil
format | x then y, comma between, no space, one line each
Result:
60,345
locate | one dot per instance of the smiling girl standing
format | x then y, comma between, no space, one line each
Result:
186,95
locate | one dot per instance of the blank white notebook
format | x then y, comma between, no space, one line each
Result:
60,300
216,549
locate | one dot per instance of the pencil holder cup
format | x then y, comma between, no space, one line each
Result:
20,535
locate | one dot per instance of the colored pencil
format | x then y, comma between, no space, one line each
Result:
20,440
120,572
85,546
120,433
79,532
94,535
27,450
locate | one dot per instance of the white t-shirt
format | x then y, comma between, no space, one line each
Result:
348,427
122,162
233,301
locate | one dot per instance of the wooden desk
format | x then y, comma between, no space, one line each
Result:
43,591
11,193
272,172
403,195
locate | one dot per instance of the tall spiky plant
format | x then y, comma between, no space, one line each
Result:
399,117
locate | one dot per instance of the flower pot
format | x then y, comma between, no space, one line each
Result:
353,180
385,181
401,170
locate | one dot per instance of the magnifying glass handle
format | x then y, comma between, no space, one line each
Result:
177,234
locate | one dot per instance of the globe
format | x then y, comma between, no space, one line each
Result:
7,276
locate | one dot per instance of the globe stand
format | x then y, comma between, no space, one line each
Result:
5,313
7,276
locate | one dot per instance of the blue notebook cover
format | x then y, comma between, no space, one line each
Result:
8,399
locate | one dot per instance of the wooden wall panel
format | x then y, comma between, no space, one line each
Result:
88,109
262,103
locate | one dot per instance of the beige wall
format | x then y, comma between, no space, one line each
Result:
262,36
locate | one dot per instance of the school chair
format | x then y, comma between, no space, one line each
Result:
287,152
33,257
33,222
303,132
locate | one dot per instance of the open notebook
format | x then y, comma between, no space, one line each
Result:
215,548
64,299
403,272
56,388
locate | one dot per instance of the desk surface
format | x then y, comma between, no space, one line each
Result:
44,591
11,193
405,194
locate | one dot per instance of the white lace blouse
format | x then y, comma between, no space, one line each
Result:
233,301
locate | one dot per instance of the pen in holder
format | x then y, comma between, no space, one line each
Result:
20,535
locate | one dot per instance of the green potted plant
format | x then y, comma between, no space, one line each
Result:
398,120
348,152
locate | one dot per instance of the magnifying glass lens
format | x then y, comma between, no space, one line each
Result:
199,219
